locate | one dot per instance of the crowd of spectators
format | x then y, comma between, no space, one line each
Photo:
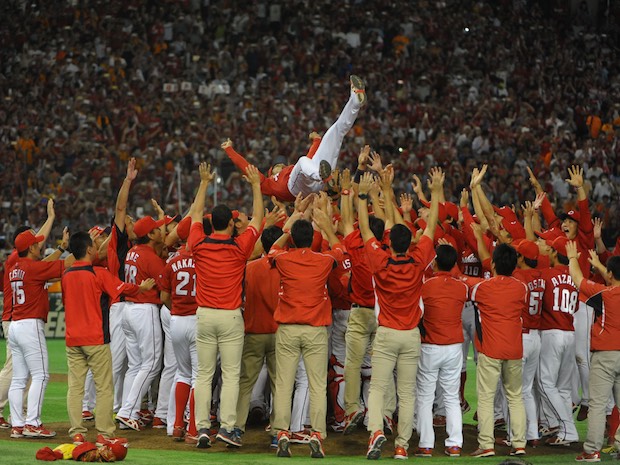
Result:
87,84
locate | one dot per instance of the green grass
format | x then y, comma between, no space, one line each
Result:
54,410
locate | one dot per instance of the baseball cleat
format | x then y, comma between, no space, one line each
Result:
359,88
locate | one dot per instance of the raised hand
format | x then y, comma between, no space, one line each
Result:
416,185
132,172
594,260
274,216
539,200
227,143
575,178
206,175
65,238
598,227
362,159
375,162
50,208
313,135
252,175
158,209
366,183
571,250
345,179
464,202
533,181
437,178
406,203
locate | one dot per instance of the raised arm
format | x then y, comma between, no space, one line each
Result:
120,212
573,263
253,176
323,221
196,211
236,158
435,185
46,228
386,178
346,202
362,206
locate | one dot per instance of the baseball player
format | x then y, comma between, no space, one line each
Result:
6,374
220,261
309,174
30,306
443,297
398,283
557,352
178,292
86,293
141,324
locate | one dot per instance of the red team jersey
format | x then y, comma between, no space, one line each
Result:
6,287
220,265
535,283
398,282
118,246
606,326
179,280
443,297
362,291
338,285
262,287
142,263
29,296
560,299
304,299
86,295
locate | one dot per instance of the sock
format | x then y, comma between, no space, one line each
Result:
181,395
191,428
462,388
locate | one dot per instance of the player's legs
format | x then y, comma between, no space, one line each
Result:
512,380
301,398
36,359
428,373
548,369
314,352
99,359
119,352
487,377
604,374
230,341
144,325
583,323
167,374
406,371
88,403
337,362
183,376
288,350
468,319
261,393
531,356
568,431
358,337
18,332
206,348
77,368
254,346
449,380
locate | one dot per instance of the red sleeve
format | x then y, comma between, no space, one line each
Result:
337,252
317,240
274,253
239,161
49,270
164,280
548,213
377,257
586,228
470,281
424,251
247,240
486,265
196,234
113,286
589,288
468,234
313,148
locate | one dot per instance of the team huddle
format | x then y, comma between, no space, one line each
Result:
346,304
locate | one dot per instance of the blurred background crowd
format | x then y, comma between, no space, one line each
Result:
87,84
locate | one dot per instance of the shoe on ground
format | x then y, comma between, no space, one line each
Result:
483,453
351,421
533,443
546,431
583,413
359,88
377,439
283,443
4,424
146,415
517,451
17,432
591,458
424,452
274,442
300,437
439,421
178,433
389,425
31,431
204,440
557,441
130,423
503,442
87,415
465,407
453,451
78,439
191,440
316,446
103,441
232,438
158,423
400,453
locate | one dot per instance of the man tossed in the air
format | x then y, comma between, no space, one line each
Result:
310,172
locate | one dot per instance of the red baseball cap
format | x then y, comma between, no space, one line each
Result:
528,249
183,228
442,212
26,239
559,245
549,234
514,228
570,215
452,210
145,225
169,219
506,213
99,230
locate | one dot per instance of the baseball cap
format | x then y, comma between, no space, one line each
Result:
549,234
145,225
506,213
559,245
99,230
26,239
570,215
169,219
528,249
183,228
514,228
452,210
442,211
